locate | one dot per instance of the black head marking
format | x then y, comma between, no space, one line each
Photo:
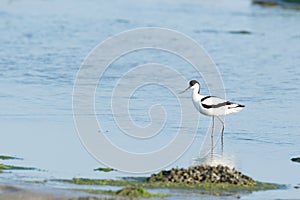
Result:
193,82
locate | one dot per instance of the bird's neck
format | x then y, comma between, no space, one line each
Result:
196,89
196,95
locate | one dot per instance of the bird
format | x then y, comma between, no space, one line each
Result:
212,106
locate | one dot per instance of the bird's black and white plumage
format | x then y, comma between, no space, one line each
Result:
212,106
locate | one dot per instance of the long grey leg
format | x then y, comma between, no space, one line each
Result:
212,137
222,136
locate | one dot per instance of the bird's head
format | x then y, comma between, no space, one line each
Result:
193,85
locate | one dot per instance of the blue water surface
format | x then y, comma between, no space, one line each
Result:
256,50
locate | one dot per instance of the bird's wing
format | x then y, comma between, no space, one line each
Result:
215,102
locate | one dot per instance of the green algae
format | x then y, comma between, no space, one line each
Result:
104,169
206,186
212,188
127,191
86,181
296,159
12,167
3,157
3,167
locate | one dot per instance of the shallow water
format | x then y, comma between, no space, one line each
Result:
43,44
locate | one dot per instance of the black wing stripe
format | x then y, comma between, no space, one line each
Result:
216,105
219,104
238,106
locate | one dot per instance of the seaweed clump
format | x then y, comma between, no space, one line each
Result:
296,159
127,191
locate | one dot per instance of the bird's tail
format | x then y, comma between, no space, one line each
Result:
234,108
